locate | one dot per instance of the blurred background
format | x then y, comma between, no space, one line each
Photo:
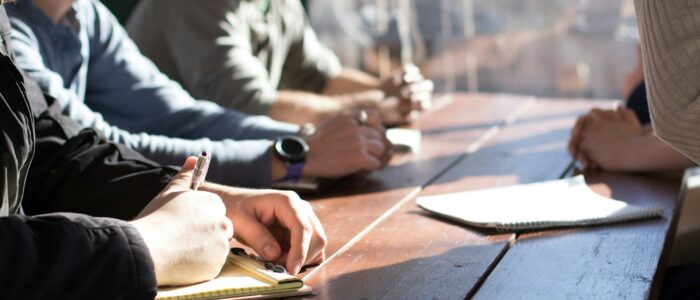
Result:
547,48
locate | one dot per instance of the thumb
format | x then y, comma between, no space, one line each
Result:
184,177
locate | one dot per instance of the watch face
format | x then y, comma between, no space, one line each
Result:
292,148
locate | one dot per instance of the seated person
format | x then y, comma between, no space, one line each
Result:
81,217
263,57
622,139
80,55
669,35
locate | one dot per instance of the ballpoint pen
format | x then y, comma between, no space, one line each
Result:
200,170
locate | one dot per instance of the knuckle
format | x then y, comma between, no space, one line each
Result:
358,143
223,224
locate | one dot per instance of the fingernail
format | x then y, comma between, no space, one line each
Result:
270,252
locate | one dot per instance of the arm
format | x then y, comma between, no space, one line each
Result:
656,155
351,81
245,157
139,97
209,44
66,255
616,141
52,255
669,35
643,153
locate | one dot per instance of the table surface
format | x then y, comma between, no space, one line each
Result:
381,245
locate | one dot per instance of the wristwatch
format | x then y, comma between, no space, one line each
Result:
292,151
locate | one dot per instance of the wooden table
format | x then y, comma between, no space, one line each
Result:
381,245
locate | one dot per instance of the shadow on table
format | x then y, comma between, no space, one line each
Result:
478,230
451,275
538,153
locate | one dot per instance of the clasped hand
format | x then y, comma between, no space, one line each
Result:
606,139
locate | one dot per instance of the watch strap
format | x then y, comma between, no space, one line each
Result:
294,170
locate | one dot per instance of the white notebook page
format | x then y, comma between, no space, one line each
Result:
565,202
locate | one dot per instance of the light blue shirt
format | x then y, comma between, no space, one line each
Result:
93,69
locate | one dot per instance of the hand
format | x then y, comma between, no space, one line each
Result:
187,232
341,146
407,92
278,225
582,123
611,143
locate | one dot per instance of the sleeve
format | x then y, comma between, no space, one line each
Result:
72,256
309,64
244,163
139,97
211,50
670,37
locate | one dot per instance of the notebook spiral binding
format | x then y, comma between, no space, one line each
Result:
616,218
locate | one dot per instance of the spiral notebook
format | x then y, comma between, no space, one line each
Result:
559,203
243,276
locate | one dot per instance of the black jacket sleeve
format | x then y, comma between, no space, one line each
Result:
76,170
73,256
66,255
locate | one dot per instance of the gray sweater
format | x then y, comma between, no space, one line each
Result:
233,52
670,37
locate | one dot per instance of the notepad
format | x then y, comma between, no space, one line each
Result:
559,203
242,277
404,139
304,185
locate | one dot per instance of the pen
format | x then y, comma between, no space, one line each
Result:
200,170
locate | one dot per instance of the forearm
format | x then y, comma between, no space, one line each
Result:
51,256
303,107
651,154
351,81
125,181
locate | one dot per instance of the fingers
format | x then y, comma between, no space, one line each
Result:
307,239
374,119
375,147
300,229
575,138
184,177
368,162
317,249
300,241
254,234
370,133
416,97
423,86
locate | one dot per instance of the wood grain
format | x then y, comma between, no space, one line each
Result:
603,262
412,255
352,204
